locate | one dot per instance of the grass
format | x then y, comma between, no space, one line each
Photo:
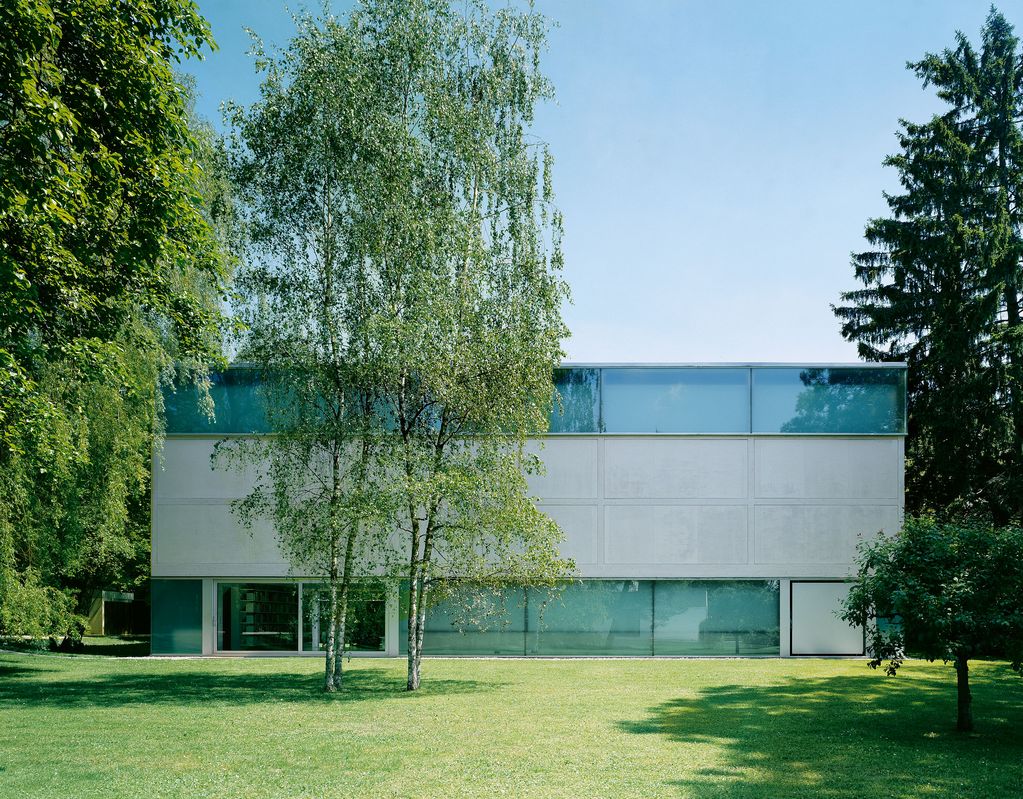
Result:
83,726
116,645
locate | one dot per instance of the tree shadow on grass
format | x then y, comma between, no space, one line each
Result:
193,684
845,736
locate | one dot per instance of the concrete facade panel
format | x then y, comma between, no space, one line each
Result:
666,467
204,539
676,534
823,468
573,470
184,470
817,534
581,526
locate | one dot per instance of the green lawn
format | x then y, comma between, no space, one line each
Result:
81,726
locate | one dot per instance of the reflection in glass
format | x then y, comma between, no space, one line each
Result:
678,400
365,620
716,617
591,617
238,405
257,617
471,621
579,391
829,400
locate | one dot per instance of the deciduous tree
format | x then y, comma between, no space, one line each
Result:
111,270
309,301
407,126
945,591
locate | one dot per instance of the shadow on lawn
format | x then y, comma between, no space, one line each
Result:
193,685
847,736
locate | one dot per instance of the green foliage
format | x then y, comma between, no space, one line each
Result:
943,590
36,612
942,281
404,286
112,268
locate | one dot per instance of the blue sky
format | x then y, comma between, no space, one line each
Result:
715,161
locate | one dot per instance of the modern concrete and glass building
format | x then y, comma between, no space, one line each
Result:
710,509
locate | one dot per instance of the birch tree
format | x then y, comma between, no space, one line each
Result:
409,252
305,293
467,253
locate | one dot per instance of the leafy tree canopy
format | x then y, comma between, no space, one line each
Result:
944,591
405,266
111,269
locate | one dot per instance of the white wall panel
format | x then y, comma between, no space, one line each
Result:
825,468
184,471
682,534
572,469
816,629
685,468
580,524
825,534
207,539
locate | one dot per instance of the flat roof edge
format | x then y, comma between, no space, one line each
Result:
700,365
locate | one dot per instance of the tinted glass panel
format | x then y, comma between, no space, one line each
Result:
676,400
592,617
471,623
177,617
829,400
237,403
579,391
364,623
716,617
257,617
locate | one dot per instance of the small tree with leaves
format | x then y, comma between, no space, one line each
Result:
946,591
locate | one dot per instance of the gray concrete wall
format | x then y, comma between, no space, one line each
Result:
630,506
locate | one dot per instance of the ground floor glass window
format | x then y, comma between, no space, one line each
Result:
365,621
608,617
257,617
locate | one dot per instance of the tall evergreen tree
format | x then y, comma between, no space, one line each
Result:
941,284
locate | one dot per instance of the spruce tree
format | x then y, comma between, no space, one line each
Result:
941,281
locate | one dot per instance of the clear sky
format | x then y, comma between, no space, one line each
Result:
715,161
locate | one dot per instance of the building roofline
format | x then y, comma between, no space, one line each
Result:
699,365
733,365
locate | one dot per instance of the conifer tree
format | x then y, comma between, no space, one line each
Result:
941,283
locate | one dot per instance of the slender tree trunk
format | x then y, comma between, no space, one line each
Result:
964,721
412,682
335,645
342,614
328,679
424,587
